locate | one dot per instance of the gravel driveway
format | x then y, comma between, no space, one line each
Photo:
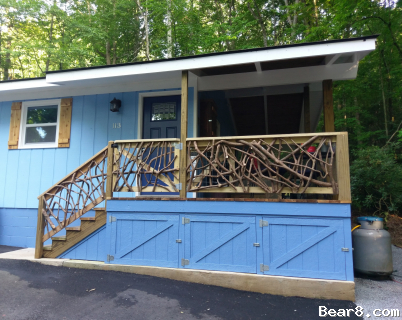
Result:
381,294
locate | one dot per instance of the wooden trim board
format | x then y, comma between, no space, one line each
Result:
278,285
167,198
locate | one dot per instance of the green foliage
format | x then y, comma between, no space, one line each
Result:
376,180
37,36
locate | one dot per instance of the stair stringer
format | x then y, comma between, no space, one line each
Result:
72,238
91,248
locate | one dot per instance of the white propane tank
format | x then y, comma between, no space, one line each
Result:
372,251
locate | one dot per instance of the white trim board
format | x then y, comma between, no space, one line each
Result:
362,46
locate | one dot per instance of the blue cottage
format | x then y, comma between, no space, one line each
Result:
203,168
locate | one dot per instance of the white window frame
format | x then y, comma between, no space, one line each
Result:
24,113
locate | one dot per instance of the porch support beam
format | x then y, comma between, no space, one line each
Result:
328,102
306,107
183,134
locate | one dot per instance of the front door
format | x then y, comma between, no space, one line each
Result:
161,120
161,117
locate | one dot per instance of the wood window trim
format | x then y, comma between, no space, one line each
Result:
18,119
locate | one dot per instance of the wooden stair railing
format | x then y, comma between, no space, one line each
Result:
73,196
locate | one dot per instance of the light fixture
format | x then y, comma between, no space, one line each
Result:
115,105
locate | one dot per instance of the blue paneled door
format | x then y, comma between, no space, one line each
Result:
161,120
222,243
145,239
162,117
303,247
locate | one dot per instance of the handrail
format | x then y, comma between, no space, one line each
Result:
74,195
270,164
146,165
80,168
274,136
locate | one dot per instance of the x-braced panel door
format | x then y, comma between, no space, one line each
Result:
219,243
144,239
303,247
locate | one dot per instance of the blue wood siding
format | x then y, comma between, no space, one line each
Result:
301,239
18,227
24,174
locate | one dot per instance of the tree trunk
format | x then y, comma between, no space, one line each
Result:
108,52
146,33
7,64
291,21
316,13
389,84
50,39
114,52
384,104
169,31
357,115
257,16
145,15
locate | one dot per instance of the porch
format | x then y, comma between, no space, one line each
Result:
148,210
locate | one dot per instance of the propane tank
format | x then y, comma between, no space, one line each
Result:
372,251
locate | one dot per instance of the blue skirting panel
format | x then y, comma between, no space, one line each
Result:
18,227
274,238
91,248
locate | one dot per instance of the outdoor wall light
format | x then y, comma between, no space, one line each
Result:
115,105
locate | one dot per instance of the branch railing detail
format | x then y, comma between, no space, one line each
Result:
265,164
146,166
298,163
73,196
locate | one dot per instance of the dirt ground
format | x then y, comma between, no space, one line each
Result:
393,225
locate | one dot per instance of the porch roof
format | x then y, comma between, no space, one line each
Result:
260,67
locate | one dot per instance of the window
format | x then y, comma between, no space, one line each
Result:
40,124
163,111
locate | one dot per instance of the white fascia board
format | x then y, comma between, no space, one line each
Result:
25,84
345,71
79,89
215,60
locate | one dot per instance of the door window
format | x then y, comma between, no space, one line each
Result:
163,111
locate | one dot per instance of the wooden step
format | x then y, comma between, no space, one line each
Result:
61,238
88,218
73,228
47,248
100,209
88,226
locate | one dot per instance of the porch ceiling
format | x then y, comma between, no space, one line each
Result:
290,64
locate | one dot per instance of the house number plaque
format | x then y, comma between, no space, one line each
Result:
116,125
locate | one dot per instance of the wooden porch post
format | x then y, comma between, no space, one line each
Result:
328,101
183,135
109,174
306,106
40,229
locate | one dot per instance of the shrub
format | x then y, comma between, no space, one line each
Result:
376,180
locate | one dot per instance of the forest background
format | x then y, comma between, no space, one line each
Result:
37,36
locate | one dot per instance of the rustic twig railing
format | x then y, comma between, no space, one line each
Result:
251,164
146,165
299,163
73,196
